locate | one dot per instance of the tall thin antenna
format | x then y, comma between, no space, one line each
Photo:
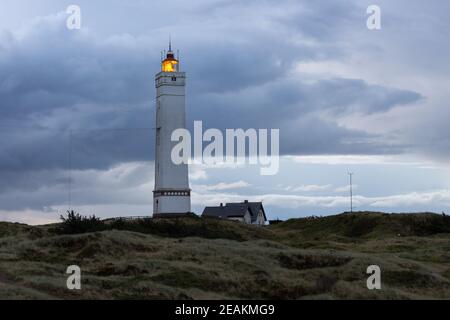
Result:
170,43
70,168
351,191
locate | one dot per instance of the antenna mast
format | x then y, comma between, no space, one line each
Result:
351,191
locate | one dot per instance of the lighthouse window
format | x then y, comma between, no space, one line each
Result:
174,78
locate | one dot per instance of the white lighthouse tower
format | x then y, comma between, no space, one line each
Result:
172,195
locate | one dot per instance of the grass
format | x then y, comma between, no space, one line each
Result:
194,258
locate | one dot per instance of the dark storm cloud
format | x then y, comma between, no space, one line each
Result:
288,99
56,84
94,87
84,99
294,107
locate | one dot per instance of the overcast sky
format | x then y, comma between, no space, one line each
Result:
345,98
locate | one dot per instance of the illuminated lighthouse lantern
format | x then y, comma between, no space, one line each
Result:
172,195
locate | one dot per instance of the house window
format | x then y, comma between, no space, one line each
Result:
174,78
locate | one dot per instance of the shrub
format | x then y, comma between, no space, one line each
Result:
76,223
180,227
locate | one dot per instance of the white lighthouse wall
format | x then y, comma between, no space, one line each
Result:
171,204
170,115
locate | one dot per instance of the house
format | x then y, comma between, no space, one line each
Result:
245,212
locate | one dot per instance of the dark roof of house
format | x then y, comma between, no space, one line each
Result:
235,210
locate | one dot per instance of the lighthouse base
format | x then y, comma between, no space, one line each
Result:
171,202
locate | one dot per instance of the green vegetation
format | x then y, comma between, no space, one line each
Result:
190,226
195,258
75,223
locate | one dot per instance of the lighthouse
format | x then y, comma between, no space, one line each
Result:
172,195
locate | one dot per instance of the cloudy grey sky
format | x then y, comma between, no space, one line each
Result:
344,98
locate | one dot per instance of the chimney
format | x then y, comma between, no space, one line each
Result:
245,201
221,205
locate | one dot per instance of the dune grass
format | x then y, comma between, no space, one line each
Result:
194,258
